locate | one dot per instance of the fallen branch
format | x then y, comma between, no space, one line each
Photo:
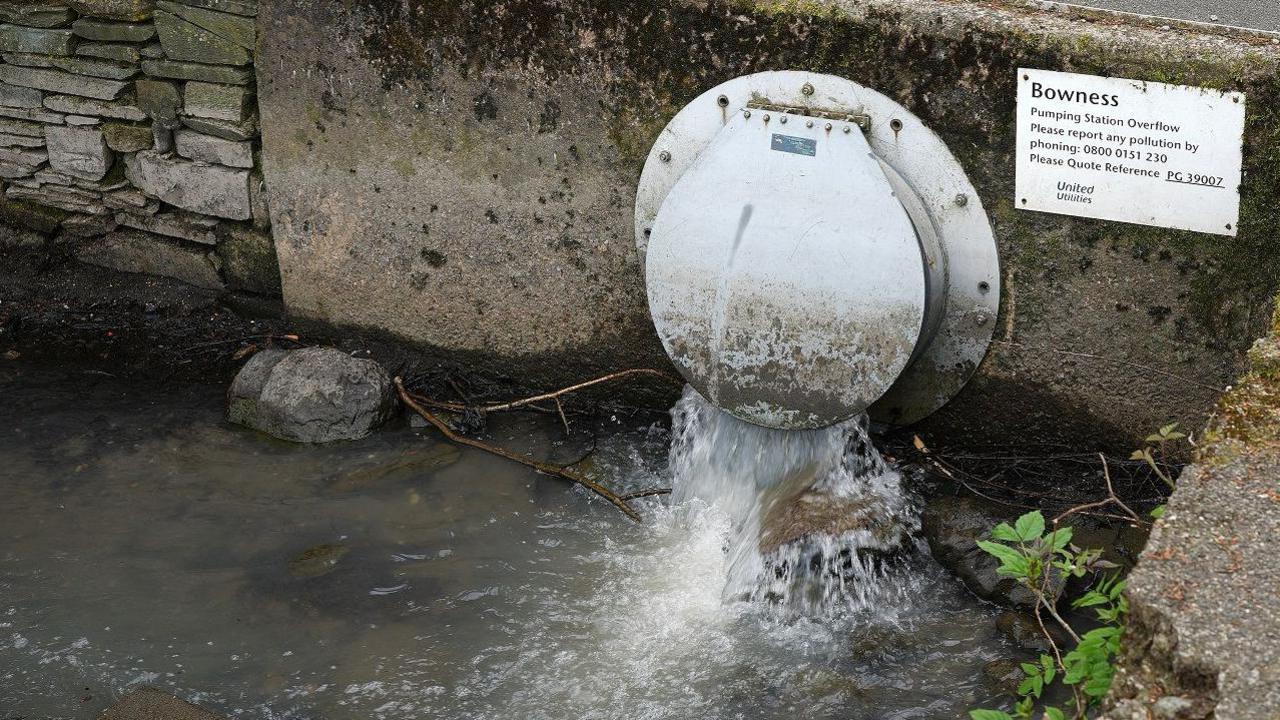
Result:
556,395
1110,499
290,337
646,493
1037,496
545,468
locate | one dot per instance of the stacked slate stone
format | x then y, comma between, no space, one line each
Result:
130,126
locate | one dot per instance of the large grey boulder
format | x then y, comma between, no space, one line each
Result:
216,101
20,97
19,39
311,395
187,42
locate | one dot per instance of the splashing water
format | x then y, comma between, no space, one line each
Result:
818,516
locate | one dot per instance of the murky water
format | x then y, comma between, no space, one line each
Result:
144,541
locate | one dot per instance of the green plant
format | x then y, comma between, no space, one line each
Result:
1155,446
1039,558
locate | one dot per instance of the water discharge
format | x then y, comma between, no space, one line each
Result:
818,516
144,541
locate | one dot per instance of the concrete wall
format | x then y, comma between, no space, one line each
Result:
128,129
462,175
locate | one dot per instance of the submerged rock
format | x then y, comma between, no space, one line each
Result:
860,495
818,516
317,561
953,526
151,703
311,395
413,461
1003,676
1021,627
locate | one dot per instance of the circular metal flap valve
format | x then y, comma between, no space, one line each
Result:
812,251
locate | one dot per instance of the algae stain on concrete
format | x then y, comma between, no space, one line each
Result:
404,167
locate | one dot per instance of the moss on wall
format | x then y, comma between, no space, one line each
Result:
1248,415
652,58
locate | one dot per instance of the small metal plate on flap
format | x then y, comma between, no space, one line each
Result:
797,145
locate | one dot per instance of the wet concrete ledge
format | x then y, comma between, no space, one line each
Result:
462,175
1204,633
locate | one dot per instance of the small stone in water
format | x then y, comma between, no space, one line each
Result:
420,461
1024,631
1003,676
317,561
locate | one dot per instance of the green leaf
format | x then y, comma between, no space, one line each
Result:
989,715
1030,669
1089,599
1098,685
1031,686
1061,537
1053,713
1012,562
1115,590
1030,526
1005,532
1158,512
1100,634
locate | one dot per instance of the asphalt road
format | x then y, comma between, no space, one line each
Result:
1258,14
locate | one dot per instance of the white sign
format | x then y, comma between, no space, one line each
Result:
1132,151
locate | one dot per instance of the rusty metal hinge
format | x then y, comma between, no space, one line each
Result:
862,120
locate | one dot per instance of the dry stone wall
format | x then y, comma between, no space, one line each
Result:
130,127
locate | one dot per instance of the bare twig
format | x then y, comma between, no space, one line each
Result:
290,337
1047,636
513,404
1110,499
646,493
545,468
1054,612
1106,474
965,479
563,419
